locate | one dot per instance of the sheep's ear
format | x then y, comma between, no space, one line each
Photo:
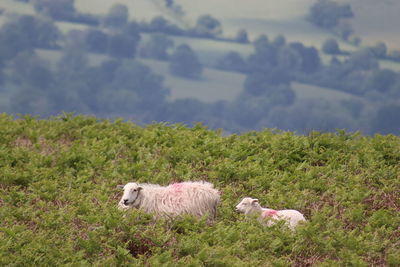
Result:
120,186
139,188
254,201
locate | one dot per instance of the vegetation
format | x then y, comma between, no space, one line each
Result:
327,13
185,63
157,47
331,46
58,201
94,68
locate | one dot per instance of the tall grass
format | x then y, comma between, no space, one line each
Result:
58,198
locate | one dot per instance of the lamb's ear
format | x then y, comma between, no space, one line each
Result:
120,186
254,201
139,188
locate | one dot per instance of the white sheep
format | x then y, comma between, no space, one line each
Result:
195,198
251,206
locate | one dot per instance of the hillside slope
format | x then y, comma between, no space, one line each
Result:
376,21
58,198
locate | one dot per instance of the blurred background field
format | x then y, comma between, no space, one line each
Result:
247,66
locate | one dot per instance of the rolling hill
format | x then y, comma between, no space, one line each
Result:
376,21
58,196
213,85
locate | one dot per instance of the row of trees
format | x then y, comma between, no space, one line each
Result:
63,10
331,15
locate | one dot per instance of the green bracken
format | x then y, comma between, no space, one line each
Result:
58,196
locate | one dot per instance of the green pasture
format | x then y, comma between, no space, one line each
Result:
138,10
53,56
376,21
213,85
221,85
58,196
307,91
15,7
208,51
388,64
269,17
65,26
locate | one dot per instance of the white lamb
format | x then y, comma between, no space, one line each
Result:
195,198
250,206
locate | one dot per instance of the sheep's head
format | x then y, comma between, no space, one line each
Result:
248,205
130,196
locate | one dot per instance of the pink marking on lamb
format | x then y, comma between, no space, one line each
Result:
268,213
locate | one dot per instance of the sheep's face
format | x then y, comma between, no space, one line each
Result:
131,194
248,205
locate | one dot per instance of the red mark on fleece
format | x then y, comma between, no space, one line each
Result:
269,213
177,187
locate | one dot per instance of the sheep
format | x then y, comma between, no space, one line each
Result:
250,206
195,198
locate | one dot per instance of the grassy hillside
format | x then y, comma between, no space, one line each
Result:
262,17
214,84
209,51
138,9
376,21
11,6
58,198
221,85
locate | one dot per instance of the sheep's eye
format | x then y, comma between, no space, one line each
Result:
134,190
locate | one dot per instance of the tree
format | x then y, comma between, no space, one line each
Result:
28,32
247,110
161,25
57,9
169,3
387,120
157,47
96,41
362,59
132,29
331,46
381,80
310,115
232,62
28,70
289,59
33,81
261,43
208,26
186,111
279,41
184,62
265,56
343,29
394,55
311,61
379,50
327,13
272,86
242,36
117,16
122,46
134,87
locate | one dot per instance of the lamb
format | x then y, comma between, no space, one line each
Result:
250,206
195,198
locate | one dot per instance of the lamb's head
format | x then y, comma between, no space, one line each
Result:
248,205
131,195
